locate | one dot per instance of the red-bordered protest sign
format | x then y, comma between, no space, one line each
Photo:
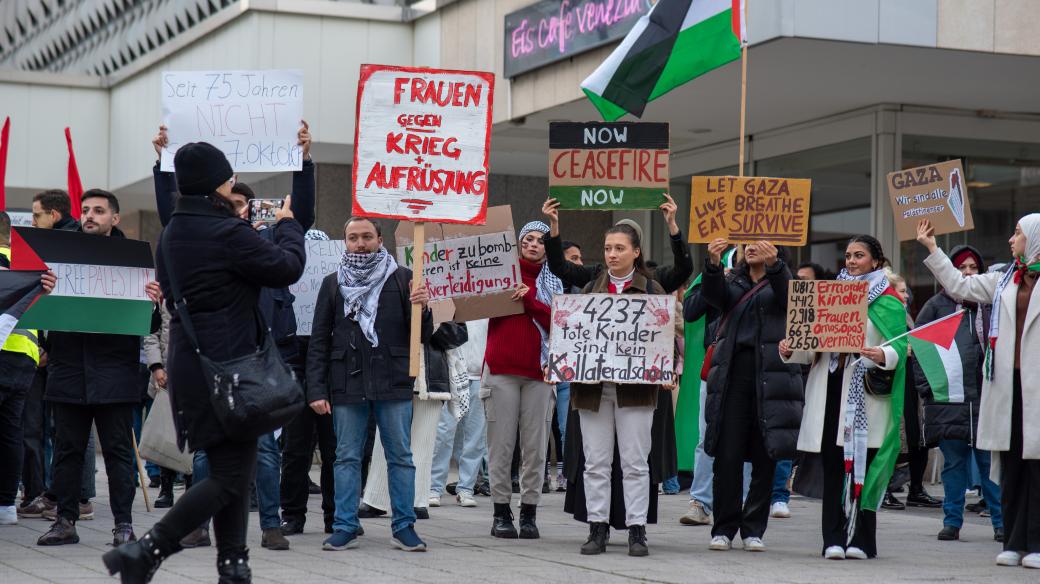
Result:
422,144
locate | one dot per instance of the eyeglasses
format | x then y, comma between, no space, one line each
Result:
232,180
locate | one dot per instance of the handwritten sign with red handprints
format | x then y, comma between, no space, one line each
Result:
616,338
422,141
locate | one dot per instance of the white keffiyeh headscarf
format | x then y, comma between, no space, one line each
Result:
361,278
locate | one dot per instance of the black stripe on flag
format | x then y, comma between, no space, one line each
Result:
652,135
73,247
635,78
16,289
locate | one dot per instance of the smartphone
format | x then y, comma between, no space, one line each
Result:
263,210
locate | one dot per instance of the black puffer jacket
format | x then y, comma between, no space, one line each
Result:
779,385
955,421
447,336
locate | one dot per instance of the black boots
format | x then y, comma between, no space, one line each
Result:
503,522
637,541
528,529
234,568
920,498
165,500
136,562
597,542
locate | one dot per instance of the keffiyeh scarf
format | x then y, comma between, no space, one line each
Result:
361,278
546,286
1031,228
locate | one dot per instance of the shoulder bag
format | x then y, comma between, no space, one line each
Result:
708,354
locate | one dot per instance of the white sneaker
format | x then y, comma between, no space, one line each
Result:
720,543
465,500
1009,558
434,501
696,515
780,510
835,552
854,553
754,544
9,515
1031,561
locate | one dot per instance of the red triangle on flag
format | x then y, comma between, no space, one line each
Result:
940,332
24,257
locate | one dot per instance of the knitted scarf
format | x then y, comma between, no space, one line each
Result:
361,278
1031,228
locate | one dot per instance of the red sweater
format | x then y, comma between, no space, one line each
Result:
514,345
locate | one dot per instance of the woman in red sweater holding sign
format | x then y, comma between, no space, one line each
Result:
514,390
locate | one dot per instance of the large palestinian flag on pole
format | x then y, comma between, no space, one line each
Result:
935,347
101,281
677,41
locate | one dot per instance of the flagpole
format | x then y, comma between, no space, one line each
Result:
743,87
897,337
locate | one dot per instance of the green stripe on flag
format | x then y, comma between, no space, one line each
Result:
607,198
931,363
608,110
89,315
698,49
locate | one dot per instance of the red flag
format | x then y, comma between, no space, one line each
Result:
75,187
3,161
939,332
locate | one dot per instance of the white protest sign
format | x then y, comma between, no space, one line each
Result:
422,141
98,281
253,116
323,258
20,218
617,338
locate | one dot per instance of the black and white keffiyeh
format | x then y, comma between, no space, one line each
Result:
361,278
546,286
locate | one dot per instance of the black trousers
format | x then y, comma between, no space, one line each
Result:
33,482
114,424
300,437
223,496
1020,486
740,439
11,402
834,521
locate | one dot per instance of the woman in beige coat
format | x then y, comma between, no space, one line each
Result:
1010,392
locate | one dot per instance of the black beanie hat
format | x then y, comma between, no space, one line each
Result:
200,168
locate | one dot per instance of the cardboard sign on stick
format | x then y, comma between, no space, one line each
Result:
605,166
323,258
620,338
936,192
827,315
253,116
474,266
747,209
422,141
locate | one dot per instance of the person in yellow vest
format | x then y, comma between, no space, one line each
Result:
19,357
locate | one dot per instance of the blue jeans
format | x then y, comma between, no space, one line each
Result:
670,486
563,406
955,477
467,437
783,472
394,420
268,481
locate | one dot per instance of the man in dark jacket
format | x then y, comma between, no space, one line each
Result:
952,425
357,363
93,380
53,210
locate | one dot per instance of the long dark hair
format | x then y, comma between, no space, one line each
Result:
874,247
633,238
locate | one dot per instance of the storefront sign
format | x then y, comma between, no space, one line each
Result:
253,116
827,315
551,30
422,140
936,192
747,209
620,338
606,166
323,258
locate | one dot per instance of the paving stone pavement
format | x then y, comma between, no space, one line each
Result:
462,552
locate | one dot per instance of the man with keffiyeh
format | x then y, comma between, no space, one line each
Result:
357,363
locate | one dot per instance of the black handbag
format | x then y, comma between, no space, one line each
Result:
251,395
878,382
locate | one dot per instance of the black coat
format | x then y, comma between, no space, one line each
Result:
778,385
671,278
90,368
448,335
342,365
954,421
221,264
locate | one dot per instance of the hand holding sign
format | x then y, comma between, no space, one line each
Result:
48,280
926,235
521,291
715,249
669,210
303,138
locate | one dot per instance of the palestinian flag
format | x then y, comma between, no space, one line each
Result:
18,290
937,354
677,41
688,405
101,281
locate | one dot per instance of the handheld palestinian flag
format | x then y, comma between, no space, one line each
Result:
101,281
676,42
18,290
935,347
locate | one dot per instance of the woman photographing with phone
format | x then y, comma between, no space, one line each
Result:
852,410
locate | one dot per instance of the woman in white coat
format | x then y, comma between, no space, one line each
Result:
841,402
1010,391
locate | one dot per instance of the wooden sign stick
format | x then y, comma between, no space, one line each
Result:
418,281
141,476
743,90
